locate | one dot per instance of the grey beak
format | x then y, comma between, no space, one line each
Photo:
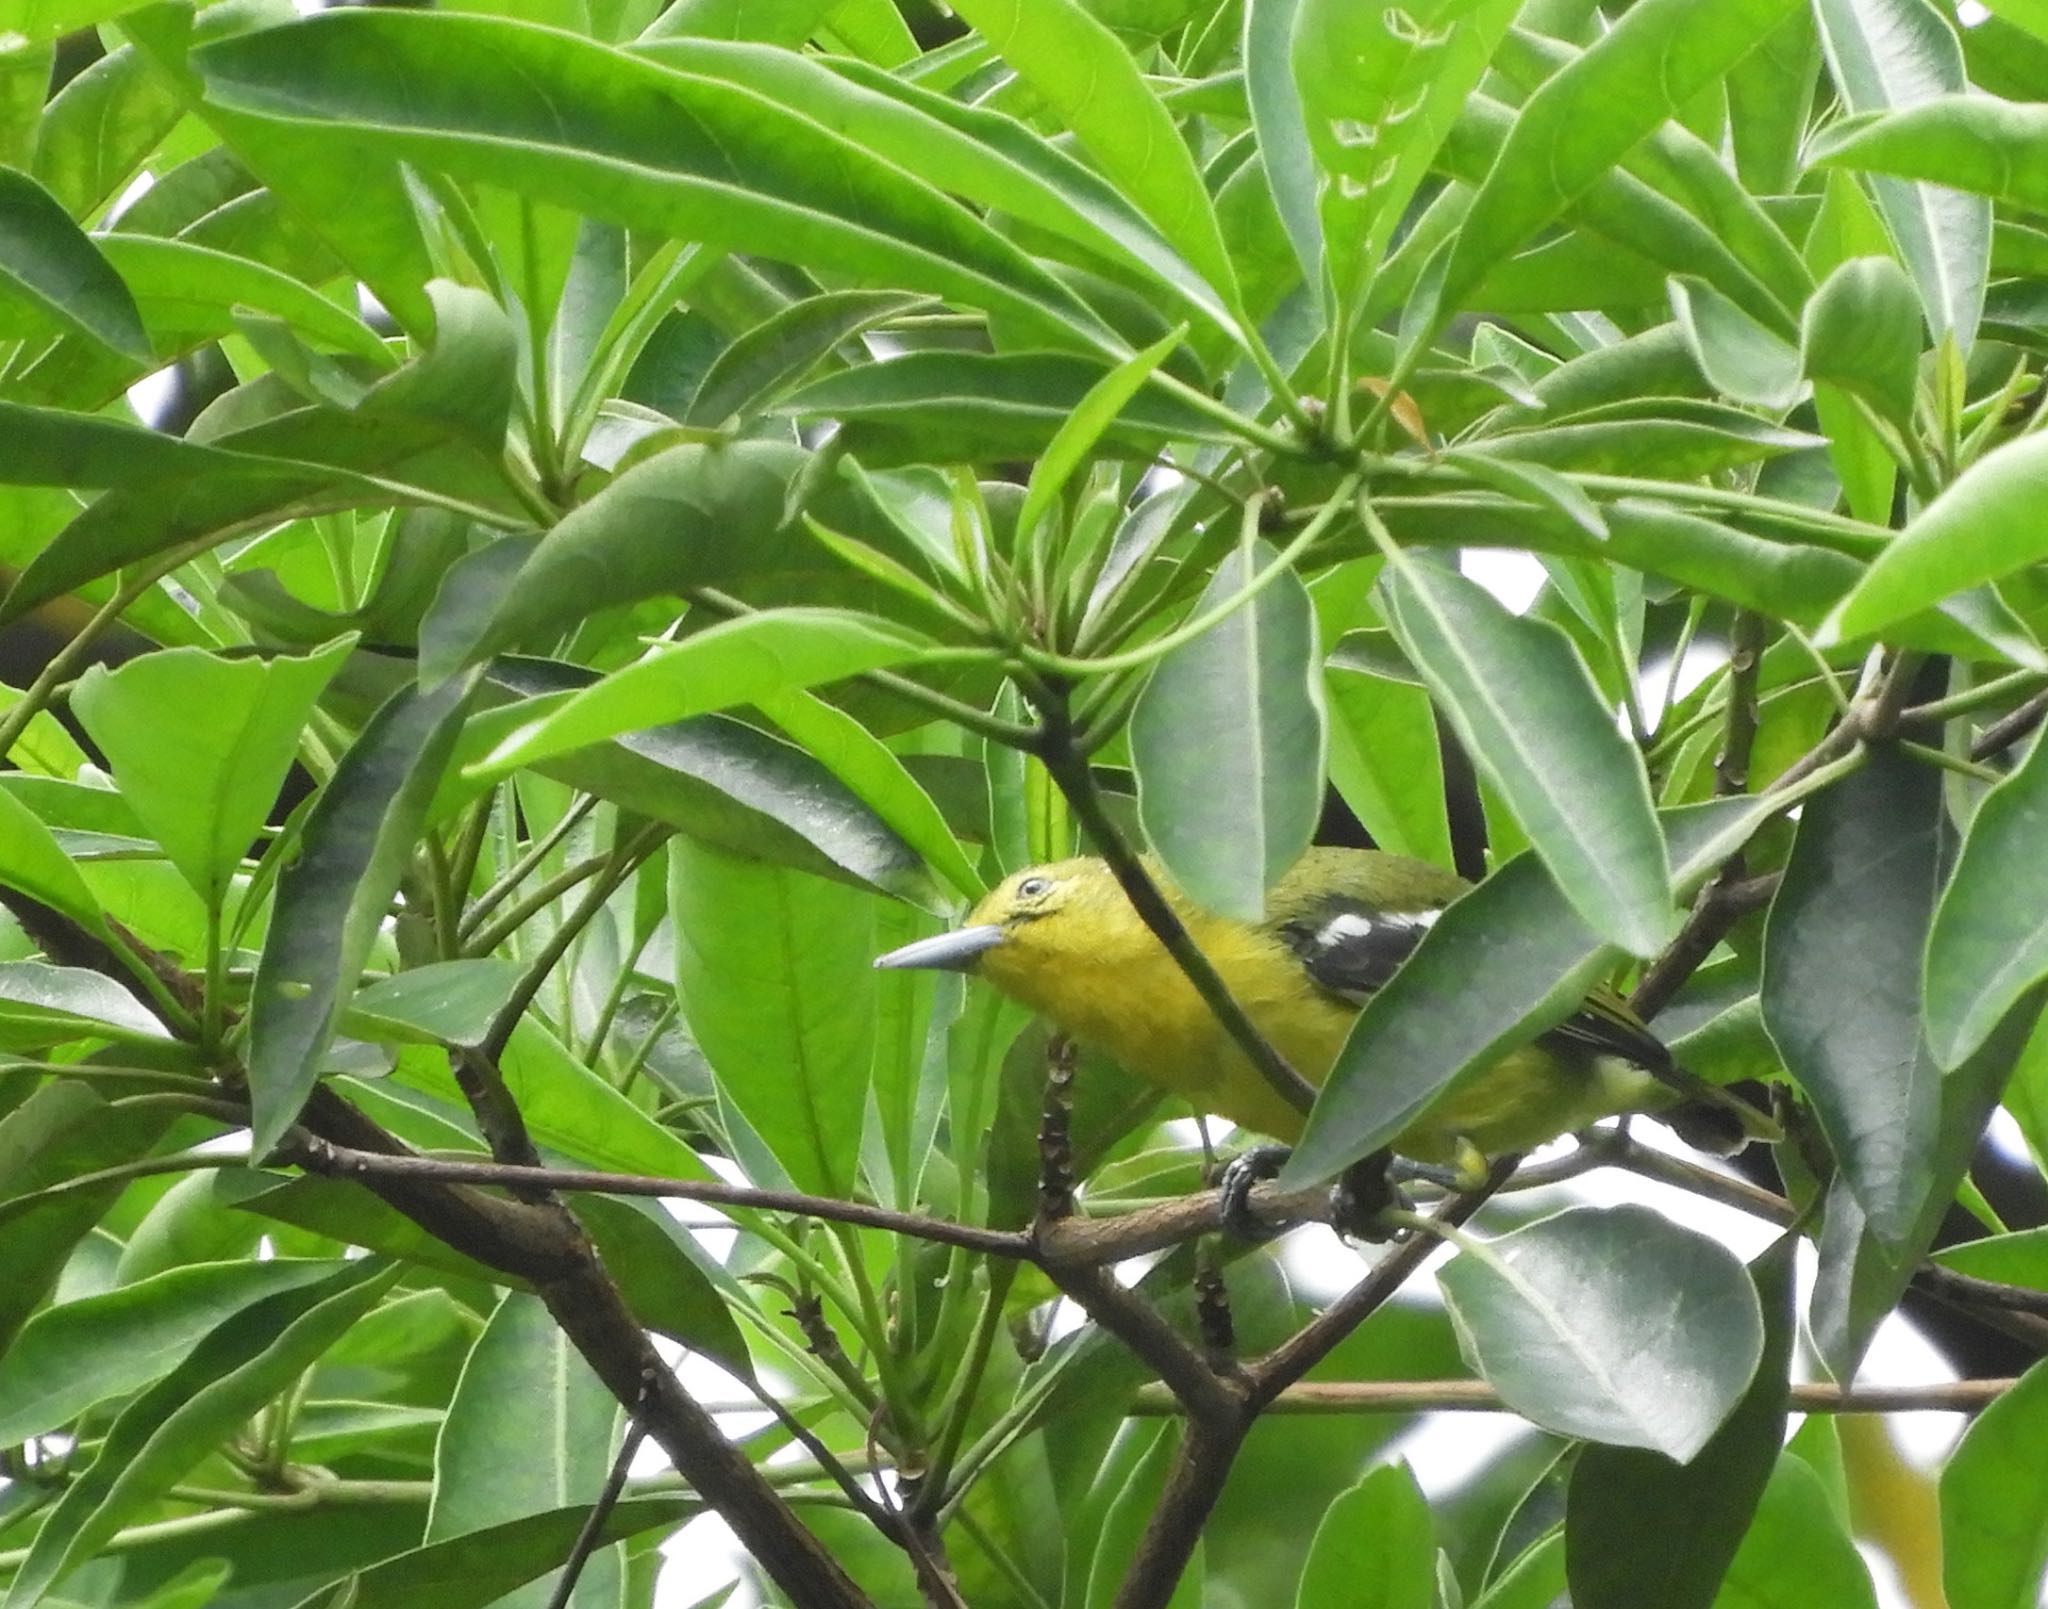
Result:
950,952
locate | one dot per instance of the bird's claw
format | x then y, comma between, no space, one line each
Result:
1363,1195
1256,1166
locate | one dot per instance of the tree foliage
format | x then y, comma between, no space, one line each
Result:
560,530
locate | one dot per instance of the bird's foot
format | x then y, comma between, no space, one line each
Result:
1364,1195
1256,1166
1360,1198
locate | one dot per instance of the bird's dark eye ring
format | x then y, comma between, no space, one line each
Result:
1034,887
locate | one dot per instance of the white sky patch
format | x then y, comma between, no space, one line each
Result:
151,396
2005,1136
1970,13
1514,578
1701,660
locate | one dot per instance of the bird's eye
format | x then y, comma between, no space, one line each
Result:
1034,888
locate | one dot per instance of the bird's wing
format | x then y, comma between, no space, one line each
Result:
1351,950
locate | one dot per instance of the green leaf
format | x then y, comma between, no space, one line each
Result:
1982,528
1862,332
1994,1503
878,779
43,1005
686,155
72,1356
598,556
187,291
201,744
1528,712
1841,979
777,353
1989,944
52,276
734,662
1386,762
980,154
32,863
237,1369
100,127
1741,359
1227,743
1587,116
1797,1550
480,1568
491,1466
1513,943
1379,90
1610,1323
1375,1547
736,787
773,975
1279,120
358,840
1886,55
1093,86
1642,1529
2020,1258
1083,428
441,1003
1972,142
951,407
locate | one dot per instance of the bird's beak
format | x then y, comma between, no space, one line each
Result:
956,951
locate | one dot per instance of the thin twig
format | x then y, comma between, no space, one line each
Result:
1476,1396
600,1511
1069,769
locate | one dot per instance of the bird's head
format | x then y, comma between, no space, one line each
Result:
1033,922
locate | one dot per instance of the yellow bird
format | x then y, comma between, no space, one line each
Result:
1064,940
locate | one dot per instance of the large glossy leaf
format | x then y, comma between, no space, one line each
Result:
491,1467
1983,527
1798,1549
1862,332
1972,142
42,1005
1516,959
646,146
731,663
1841,979
1092,84
33,863
772,969
1989,944
1379,89
971,150
1274,99
53,278
777,353
1229,812
1375,1547
881,781
945,407
1610,1323
737,787
1537,727
200,746
1586,117
1641,1528
721,510
1994,1503
1885,55
239,1367
76,1354
332,899
1386,761
1745,361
